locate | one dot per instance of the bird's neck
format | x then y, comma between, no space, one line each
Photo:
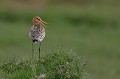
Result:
38,26
38,23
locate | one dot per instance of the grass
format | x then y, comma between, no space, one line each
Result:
54,65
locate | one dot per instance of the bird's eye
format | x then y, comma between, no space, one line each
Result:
38,19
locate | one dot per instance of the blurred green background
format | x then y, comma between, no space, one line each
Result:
89,27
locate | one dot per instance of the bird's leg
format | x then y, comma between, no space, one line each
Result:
39,50
33,70
32,51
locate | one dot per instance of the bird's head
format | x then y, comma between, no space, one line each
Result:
38,20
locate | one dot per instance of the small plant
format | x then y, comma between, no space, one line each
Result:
54,65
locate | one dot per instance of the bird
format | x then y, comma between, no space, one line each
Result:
37,33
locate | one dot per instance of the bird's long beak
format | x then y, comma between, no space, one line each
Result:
43,23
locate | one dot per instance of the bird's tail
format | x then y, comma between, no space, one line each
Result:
34,41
